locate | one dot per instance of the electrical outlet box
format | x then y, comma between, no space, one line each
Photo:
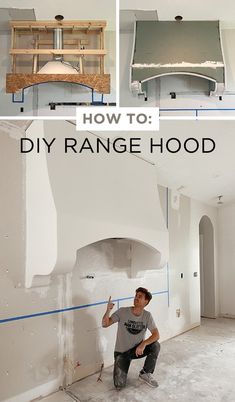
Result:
178,312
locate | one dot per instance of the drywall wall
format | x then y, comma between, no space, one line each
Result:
226,259
207,274
29,348
191,92
42,351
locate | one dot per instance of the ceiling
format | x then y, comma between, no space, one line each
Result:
200,10
70,9
200,176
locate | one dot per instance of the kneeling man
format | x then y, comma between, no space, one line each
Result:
130,343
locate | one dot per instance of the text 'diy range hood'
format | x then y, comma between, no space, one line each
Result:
177,47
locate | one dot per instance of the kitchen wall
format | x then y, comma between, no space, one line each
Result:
226,259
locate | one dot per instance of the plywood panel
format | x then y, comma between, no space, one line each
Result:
99,82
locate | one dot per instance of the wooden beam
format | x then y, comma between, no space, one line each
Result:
13,44
101,47
49,32
63,24
65,42
87,52
17,82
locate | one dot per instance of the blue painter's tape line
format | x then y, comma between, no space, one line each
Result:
43,313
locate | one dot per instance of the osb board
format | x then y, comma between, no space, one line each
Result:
99,82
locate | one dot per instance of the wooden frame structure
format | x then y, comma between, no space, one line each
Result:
76,47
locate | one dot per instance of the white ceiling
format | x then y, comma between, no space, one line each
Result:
70,9
199,10
202,176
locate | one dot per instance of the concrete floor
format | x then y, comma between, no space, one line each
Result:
196,366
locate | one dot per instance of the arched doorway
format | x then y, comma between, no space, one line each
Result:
207,272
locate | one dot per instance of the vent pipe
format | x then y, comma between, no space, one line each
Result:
58,65
58,42
58,38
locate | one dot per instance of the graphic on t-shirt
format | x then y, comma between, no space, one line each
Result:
134,327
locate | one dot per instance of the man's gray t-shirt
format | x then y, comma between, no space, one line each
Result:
131,328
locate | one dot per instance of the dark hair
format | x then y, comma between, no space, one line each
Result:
147,294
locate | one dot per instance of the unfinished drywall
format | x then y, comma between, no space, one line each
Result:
191,92
29,355
226,259
40,352
165,47
82,209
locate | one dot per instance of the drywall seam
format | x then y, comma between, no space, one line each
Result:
206,77
206,64
66,309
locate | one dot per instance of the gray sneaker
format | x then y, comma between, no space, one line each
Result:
148,378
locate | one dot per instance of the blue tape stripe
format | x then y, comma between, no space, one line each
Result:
22,317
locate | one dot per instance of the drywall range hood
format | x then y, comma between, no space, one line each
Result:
107,201
177,47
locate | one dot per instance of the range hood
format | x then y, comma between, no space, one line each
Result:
107,201
177,47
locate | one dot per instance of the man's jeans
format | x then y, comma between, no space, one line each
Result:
123,360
